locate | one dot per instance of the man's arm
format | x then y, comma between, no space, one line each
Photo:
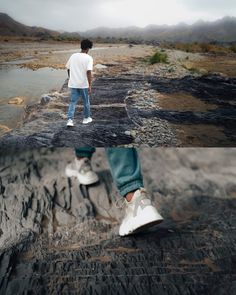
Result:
89,76
68,67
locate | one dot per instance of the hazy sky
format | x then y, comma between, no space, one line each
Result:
80,15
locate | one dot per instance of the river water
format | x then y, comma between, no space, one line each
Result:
31,85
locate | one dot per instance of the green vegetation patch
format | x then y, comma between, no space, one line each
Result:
158,57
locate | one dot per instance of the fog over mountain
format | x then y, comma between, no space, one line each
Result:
222,30
83,15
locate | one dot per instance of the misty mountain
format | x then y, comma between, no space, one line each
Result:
223,30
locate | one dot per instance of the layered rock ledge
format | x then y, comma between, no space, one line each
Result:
57,237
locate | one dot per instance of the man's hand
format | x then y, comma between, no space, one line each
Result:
89,76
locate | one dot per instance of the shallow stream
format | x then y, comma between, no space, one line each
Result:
26,83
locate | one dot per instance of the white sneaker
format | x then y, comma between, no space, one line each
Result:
82,169
70,123
140,214
87,120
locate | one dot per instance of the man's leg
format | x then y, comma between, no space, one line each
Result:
81,167
86,101
84,152
126,170
73,101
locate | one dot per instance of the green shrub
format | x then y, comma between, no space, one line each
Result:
158,57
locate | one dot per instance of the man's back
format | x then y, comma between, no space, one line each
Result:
79,64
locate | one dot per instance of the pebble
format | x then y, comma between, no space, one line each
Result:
100,67
16,100
133,133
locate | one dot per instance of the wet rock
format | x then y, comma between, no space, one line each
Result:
45,99
16,100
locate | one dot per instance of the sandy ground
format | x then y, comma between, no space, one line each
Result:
36,55
118,58
55,55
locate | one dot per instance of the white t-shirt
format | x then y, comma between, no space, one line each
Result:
79,64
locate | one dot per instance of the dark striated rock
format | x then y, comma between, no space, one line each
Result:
114,114
61,238
213,88
225,117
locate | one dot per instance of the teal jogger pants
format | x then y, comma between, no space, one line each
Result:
125,167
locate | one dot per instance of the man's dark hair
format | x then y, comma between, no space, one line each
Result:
86,44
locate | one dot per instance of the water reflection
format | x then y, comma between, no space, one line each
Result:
27,83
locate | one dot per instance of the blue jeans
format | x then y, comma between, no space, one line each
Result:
75,93
125,167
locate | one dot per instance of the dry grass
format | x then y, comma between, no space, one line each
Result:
213,64
201,47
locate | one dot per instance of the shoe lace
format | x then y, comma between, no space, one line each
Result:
86,167
120,203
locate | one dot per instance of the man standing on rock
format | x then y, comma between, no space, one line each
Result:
80,66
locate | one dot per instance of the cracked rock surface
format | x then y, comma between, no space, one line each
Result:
57,237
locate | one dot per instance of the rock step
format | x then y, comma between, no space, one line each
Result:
58,237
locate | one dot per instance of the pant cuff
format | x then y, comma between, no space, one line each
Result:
84,153
132,186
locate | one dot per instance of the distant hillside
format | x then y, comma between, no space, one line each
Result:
10,27
223,30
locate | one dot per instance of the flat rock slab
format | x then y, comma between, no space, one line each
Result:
59,238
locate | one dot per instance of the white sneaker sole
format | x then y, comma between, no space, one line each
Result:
70,125
87,181
82,180
87,122
148,218
70,172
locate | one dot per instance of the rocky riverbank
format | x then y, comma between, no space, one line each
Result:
137,104
129,110
57,237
